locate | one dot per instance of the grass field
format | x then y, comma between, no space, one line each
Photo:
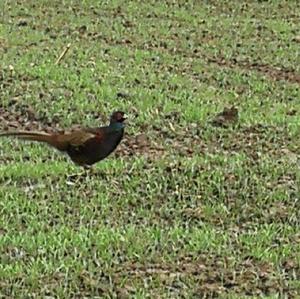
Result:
182,209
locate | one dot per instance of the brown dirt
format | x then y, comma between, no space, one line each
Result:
275,73
214,276
22,117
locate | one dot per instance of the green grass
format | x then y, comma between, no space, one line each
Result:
201,212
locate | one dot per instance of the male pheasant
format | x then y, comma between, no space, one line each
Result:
84,146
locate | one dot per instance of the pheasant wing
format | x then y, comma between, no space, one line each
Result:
80,137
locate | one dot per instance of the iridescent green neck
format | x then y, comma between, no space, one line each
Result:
116,126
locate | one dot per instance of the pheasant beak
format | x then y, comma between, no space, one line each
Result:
125,116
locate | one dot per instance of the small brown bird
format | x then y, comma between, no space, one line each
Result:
84,146
229,116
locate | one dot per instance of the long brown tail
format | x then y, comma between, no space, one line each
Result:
33,136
